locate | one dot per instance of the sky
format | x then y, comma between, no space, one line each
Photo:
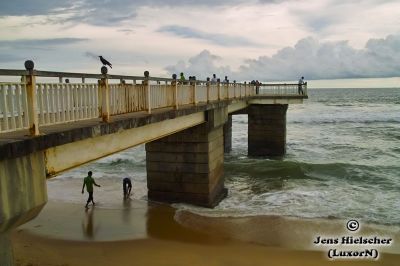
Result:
243,39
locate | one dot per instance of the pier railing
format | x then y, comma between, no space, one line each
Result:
29,104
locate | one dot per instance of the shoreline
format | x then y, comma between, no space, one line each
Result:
146,233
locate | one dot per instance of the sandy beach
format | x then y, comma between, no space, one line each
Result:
142,233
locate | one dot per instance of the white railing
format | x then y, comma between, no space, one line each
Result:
161,96
65,102
13,107
283,89
201,93
213,92
29,104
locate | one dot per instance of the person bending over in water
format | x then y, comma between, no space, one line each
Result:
89,182
127,187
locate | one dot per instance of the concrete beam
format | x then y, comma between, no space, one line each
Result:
237,105
19,143
275,101
73,154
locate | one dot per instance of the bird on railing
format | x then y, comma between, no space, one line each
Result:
105,62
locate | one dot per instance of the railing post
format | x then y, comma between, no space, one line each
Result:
176,94
174,84
30,80
208,89
219,89
225,91
105,96
194,91
146,83
305,89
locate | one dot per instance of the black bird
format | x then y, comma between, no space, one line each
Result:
105,62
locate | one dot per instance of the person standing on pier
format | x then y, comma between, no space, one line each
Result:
89,182
182,78
301,82
258,87
214,79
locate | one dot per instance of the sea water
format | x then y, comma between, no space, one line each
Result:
343,161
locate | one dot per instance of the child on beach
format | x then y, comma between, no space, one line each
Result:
89,182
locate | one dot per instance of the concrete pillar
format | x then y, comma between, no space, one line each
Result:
228,135
267,130
188,166
6,250
22,196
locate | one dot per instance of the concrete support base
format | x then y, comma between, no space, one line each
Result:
23,194
267,130
6,251
188,166
228,135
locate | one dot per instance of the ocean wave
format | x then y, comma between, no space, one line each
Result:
332,120
270,170
128,162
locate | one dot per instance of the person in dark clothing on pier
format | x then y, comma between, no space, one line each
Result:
258,87
301,82
226,80
89,182
127,187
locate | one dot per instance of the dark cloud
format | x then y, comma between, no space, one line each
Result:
6,58
42,44
220,39
102,12
127,31
32,8
92,55
309,58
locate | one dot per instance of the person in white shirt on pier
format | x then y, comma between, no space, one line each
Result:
214,79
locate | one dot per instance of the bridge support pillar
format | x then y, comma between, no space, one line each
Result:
228,135
267,130
6,250
188,166
23,194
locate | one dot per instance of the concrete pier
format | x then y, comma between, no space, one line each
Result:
267,129
188,166
45,130
228,135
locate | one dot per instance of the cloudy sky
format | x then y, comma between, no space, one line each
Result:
245,39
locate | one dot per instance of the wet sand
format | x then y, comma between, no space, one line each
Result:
142,233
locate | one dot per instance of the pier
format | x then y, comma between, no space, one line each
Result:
52,121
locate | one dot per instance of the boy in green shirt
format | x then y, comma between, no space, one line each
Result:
89,182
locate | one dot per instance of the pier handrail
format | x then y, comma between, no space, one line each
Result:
28,104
